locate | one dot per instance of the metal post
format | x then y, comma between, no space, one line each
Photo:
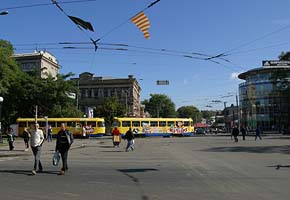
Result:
238,115
36,113
1,100
78,94
46,125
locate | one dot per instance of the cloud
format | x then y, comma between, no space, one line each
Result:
234,76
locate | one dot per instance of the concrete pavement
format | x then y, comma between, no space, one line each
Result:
47,148
160,168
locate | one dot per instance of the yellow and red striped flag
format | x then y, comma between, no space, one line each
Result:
142,22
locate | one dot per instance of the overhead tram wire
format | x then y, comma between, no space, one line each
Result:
226,53
44,4
258,49
152,51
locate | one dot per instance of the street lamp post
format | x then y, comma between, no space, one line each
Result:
1,101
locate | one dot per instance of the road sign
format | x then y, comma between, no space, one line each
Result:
162,82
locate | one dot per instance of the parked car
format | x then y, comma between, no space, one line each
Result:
200,131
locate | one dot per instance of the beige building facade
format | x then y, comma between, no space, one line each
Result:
93,91
43,62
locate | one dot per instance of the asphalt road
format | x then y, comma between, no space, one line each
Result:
159,168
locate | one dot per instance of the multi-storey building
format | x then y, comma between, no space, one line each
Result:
262,102
42,62
93,91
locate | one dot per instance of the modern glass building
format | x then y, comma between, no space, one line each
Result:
262,102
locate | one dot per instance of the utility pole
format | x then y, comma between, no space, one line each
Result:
36,107
238,111
78,84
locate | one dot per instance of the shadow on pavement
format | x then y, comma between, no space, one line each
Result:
128,173
257,149
107,146
26,172
137,170
279,166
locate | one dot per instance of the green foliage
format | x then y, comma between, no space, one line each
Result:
8,67
159,105
189,112
284,56
110,108
22,92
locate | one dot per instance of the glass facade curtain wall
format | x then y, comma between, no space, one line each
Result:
262,103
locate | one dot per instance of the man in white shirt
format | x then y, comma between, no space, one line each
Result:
36,141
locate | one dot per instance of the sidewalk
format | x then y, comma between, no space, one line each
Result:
47,148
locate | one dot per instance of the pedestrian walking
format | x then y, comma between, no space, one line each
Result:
49,134
258,133
116,137
64,141
36,141
130,138
10,139
235,133
244,132
26,135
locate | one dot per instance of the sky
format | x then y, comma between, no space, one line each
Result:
244,31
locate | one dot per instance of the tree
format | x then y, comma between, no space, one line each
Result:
284,56
110,108
22,92
160,105
189,112
9,70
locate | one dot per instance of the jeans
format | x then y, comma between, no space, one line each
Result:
36,152
49,137
130,145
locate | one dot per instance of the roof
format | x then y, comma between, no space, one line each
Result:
244,75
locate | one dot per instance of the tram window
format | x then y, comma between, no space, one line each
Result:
162,124
136,123
126,123
101,124
52,123
145,123
59,124
170,123
22,124
116,124
186,123
153,123
92,124
42,124
70,124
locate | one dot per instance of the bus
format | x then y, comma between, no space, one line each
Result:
155,126
79,127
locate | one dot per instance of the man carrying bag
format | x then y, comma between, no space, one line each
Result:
63,142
